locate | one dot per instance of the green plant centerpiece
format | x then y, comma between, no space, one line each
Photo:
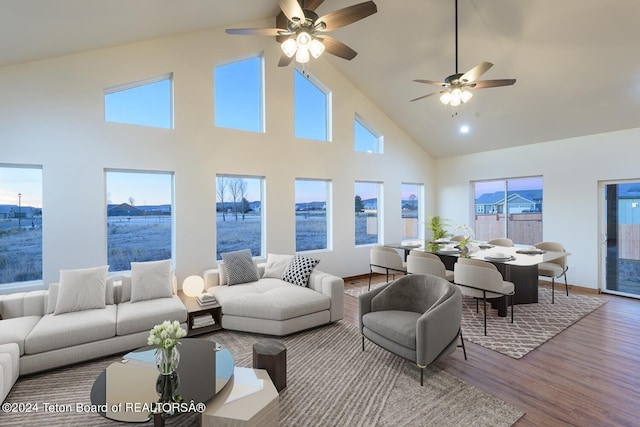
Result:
166,336
436,226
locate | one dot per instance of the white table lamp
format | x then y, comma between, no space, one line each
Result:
193,286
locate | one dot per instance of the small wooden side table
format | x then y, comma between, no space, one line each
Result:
194,309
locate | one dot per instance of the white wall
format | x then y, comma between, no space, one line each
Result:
52,115
571,170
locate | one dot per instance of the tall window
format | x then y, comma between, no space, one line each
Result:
139,217
312,220
239,218
147,103
239,94
20,224
367,199
509,208
312,108
412,211
366,138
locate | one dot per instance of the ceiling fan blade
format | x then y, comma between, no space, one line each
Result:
256,31
425,96
482,84
431,82
337,48
284,60
292,10
311,4
346,16
474,73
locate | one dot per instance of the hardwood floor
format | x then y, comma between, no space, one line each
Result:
588,375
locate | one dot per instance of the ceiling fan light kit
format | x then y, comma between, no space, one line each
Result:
305,31
456,86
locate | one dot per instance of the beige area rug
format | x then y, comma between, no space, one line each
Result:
534,324
331,382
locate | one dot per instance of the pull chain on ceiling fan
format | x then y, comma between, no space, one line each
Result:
457,85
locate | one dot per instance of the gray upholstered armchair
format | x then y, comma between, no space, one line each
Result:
416,317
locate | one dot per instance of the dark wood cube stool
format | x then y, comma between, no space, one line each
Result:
271,355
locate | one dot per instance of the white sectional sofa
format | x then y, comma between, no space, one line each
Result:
9,367
273,306
48,340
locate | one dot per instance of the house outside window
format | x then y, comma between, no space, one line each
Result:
313,207
20,223
412,208
139,217
239,214
510,208
367,216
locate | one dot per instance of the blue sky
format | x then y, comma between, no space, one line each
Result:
26,181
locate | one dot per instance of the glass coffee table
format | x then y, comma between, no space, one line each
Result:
132,390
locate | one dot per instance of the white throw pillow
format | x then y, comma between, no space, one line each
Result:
82,289
52,299
276,265
150,280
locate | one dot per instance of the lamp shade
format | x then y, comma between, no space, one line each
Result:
193,286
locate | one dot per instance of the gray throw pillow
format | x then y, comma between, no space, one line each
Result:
299,270
239,267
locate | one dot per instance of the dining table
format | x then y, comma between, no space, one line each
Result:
517,264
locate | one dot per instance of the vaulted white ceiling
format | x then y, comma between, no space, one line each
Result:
576,61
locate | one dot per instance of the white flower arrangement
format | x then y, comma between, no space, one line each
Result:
166,335
466,231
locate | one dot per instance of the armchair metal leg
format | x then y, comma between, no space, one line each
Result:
363,343
566,286
553,290
370,274
421,374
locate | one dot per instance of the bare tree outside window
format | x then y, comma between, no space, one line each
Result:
221,189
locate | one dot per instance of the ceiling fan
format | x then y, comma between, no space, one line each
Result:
456,85
303,33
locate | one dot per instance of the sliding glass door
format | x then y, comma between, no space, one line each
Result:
620,238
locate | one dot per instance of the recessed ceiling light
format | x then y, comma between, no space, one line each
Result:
464,129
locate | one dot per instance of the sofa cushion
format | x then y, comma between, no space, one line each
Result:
81,289
53,332
9,367
144,315
239,267
16,330
271,299
276,265
398,326
150,280
52,296
299,270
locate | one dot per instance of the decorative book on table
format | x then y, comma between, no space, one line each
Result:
207,300
203,320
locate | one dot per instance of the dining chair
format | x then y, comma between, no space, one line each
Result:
421,262
458,238
507,243
555,268
385,260
482,280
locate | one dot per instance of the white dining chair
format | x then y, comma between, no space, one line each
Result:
555,268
